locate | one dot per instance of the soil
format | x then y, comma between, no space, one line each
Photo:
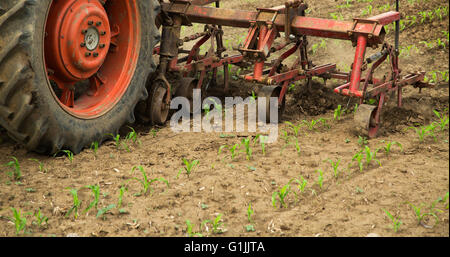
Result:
353,204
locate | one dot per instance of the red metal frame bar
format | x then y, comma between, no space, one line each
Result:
300,25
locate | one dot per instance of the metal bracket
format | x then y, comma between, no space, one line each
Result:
354,32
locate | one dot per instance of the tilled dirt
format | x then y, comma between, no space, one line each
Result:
353,204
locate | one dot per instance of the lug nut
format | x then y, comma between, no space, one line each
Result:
90,22
103,33
98,23
95,54
84,31
83,44
87,54
102,45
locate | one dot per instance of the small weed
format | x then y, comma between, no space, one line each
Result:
359,190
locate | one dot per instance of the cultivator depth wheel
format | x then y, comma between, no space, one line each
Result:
365,120
159,110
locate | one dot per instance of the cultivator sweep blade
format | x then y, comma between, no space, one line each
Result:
264,27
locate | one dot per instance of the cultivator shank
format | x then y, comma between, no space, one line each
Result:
264,27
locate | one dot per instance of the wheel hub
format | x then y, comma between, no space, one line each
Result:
80,40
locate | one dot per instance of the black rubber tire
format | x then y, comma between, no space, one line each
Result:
28,109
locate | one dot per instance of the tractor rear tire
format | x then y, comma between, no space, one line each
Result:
29,110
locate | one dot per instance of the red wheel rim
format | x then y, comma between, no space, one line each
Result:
91,51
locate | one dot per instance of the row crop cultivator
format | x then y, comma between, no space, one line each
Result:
72,72
264,27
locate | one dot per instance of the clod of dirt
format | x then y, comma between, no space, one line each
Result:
72,235
373,235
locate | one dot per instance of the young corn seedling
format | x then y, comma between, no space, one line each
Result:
122,191
250,212
423,131
311,125
117,142
69,155
94,147
190,231
295,129
101,212
396,222
281,195
362,141
234,150
247,149
96,192
335,167
338,113
358,157
76,203
262,142
443,119
429,45
17,173
153,132
367,10
297,146
387,148
324,123
301,185
40,218
371,156
216,225
420,215
42,169
188,167
19,221
320,178
132,135
145,182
